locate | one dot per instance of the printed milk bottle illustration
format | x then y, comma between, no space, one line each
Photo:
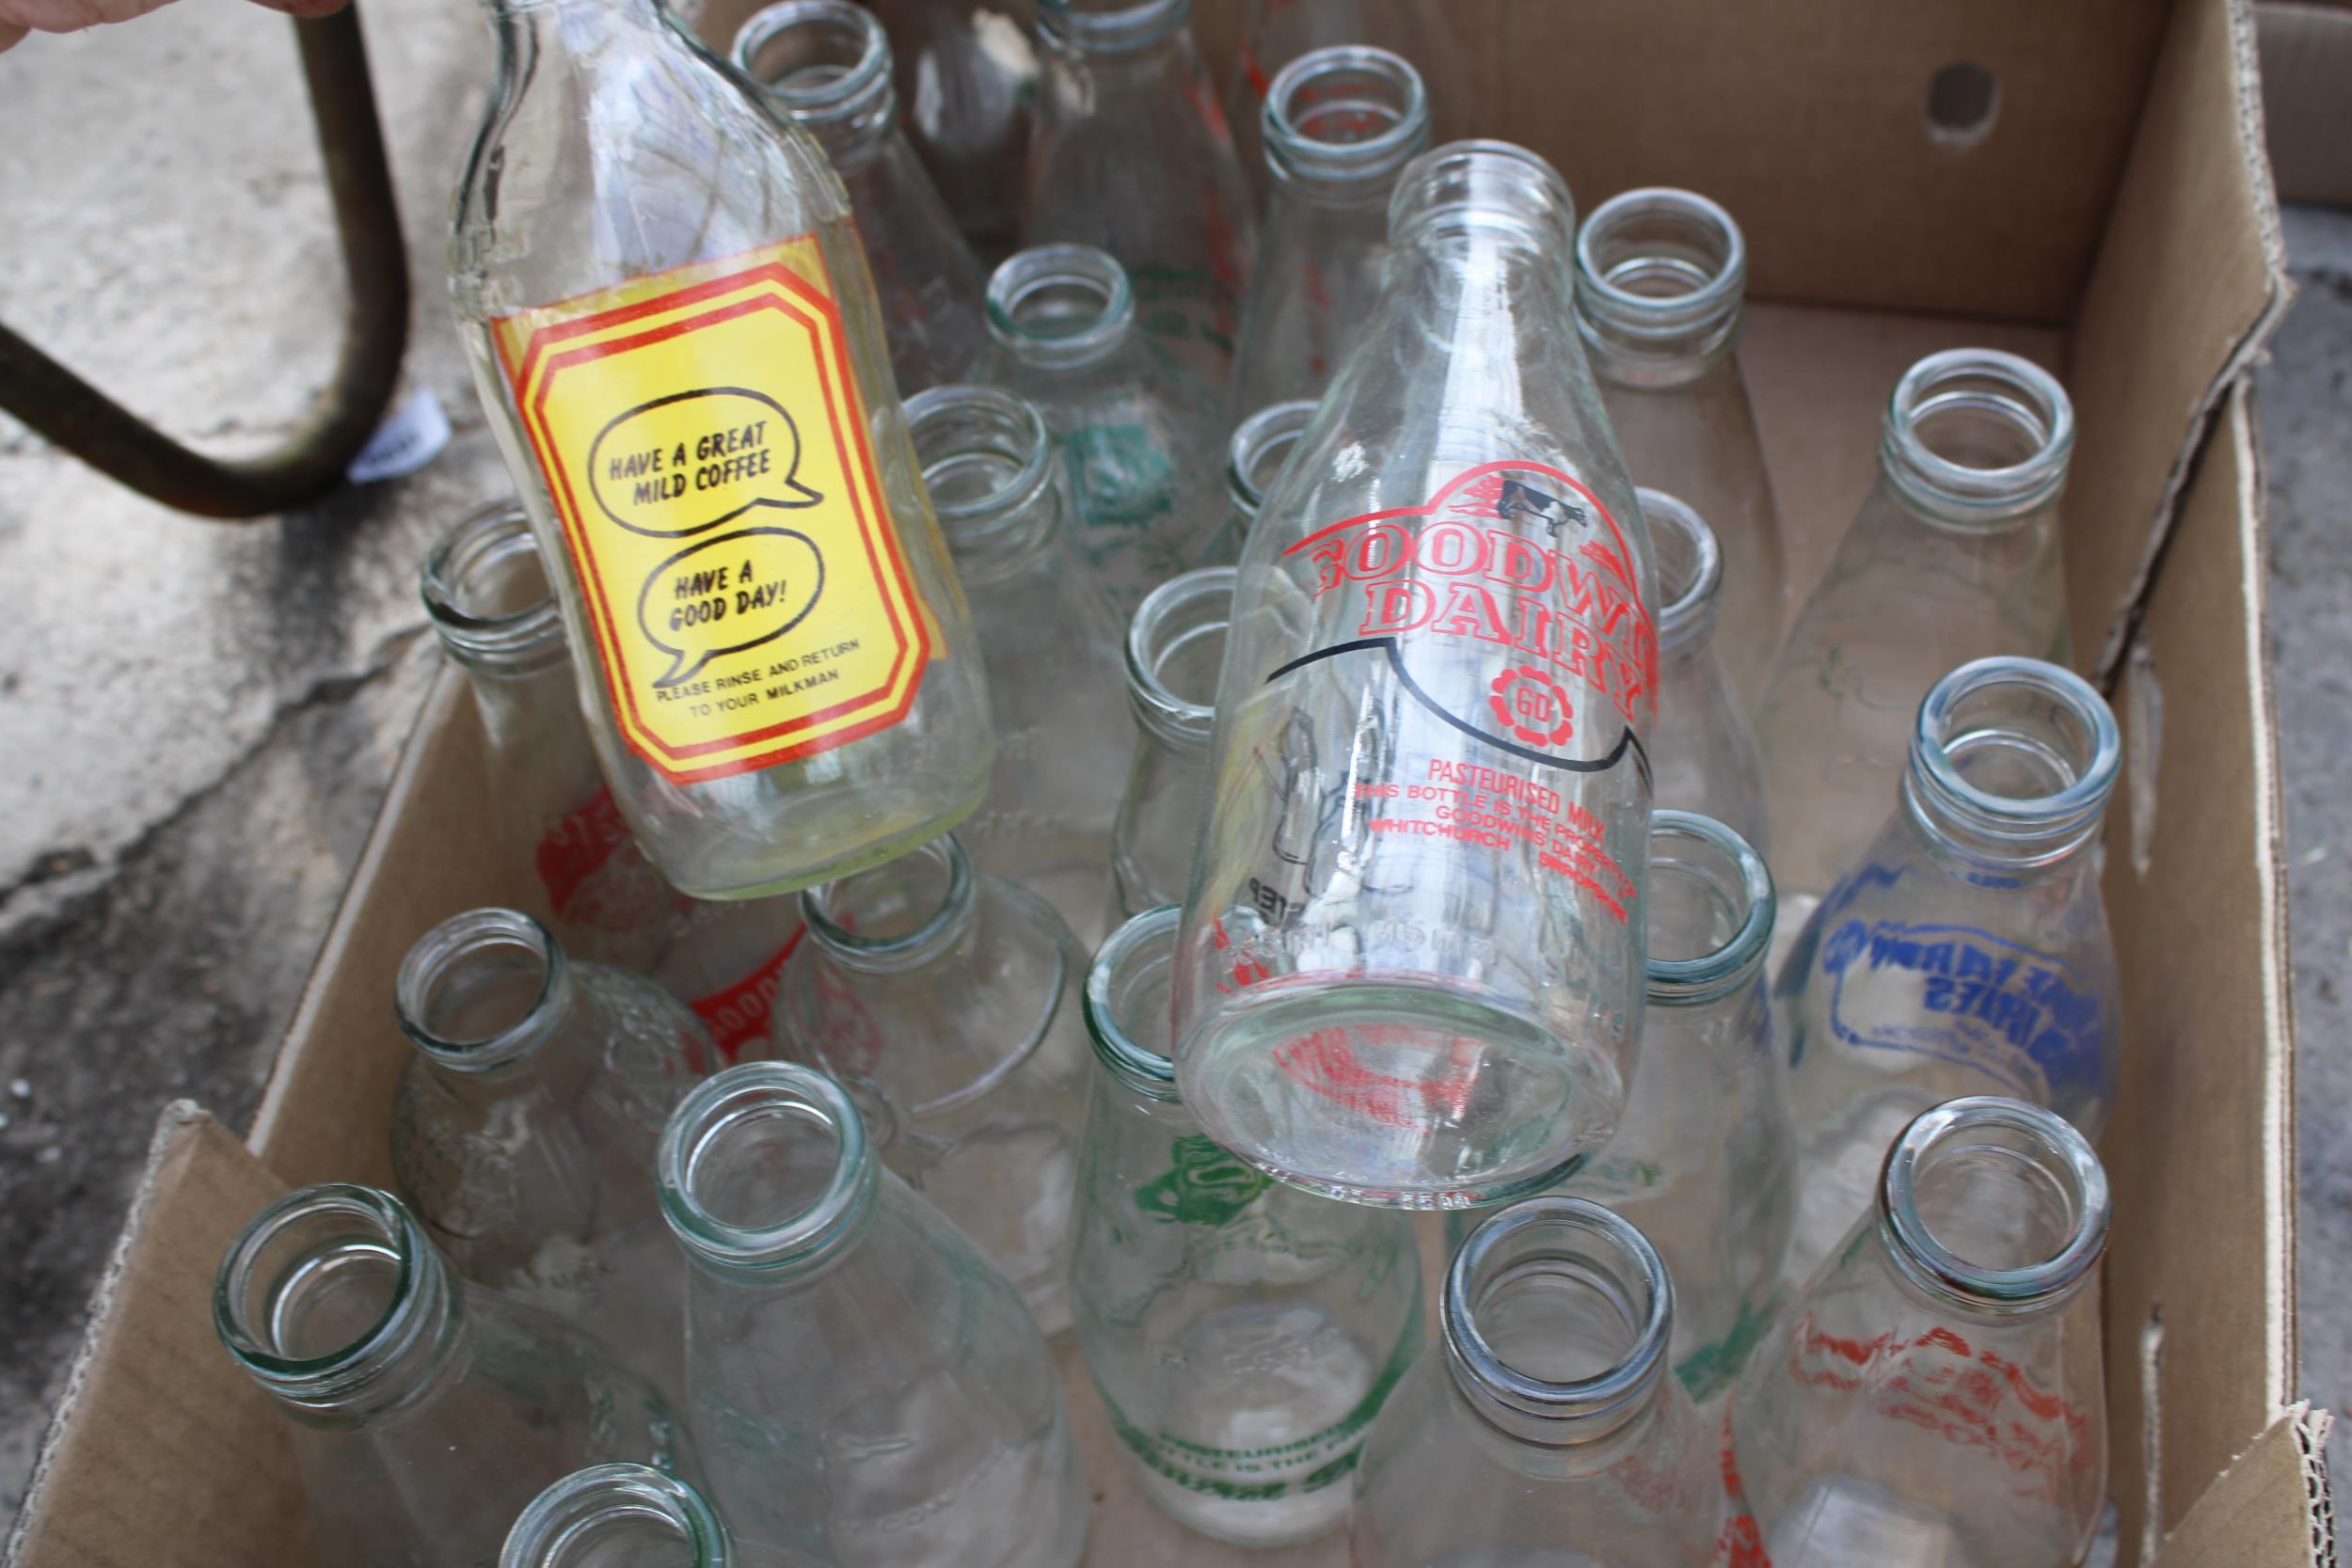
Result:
674,335
1411,966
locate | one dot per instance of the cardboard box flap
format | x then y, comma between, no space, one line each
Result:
2270,1508
162,1453
2190,282
2307,99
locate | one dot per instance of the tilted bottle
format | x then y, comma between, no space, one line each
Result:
825,65
1703,751
424,1413
1131,156
1967,952
1340,124
949,1003
1411,970
1242,1333
1139,436
1953,557
487,594
618,1516
523,1128
1936,1393
1276,32
1173,650
869,1391
1661,294
1261,444
676,343
1049,638
1547,1427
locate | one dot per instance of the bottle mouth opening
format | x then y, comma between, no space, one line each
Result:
984,453
1690,568
486,590
613,1514
324,1288
2018,754
1111,25
1059,303
765,1166
1347,113
1661,262
477,990
1976,436
1712,908
1129,993
1556,1316
1479,185
1993,1202
818,60
896,912
1176,649
1262,444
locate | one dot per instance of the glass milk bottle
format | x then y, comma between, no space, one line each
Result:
1260,446
1173,650
618,1516
1703,751
1276,32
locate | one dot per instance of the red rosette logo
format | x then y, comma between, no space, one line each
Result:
1532,706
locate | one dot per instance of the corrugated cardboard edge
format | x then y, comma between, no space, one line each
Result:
2241,1517
2307,92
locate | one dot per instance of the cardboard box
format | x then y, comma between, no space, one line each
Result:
2113,218
2307,98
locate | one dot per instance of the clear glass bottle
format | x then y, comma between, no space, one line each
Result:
678,345
1139,437
1260,446
968,76
618,1516
825,66
1340,124
1547,1430
1425,860
1703,753
1936,1395
1131,156
524,1126
424,1413
1050,639
1276,32
868,1390
1174,649
486,591
1967,952
1954,556
948,1003
1242,1333
1660,293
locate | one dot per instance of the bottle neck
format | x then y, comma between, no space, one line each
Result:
2012,762
618,1516
1557,1317
1060,306
989,464
1340,123
765,1175
903,917
486,591
1137,35
1127,1004
824,65
1690,574
1994,1208
334,1302
482,991
1661,282
1712,908
1254,458
1175,650
1483,228
1977,441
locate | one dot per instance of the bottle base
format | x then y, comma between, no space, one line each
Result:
710,880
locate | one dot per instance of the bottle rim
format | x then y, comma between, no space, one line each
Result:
1482,182
1148,935
1020,440
821,93
1689,615
485,538
2059,1149
1113,28
418,1304
446,951
555,1521
1303,92
1710,976
723,1105
1708,282
1989,384
1169,715
1271,431
2019,830
1541,1410
874,954
1071,270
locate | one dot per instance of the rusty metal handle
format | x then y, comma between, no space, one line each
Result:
70,413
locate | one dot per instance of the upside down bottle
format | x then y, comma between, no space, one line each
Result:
1412,960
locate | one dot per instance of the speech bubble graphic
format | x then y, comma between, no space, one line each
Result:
687,463
729,594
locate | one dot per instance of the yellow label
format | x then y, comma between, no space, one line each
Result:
703,435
